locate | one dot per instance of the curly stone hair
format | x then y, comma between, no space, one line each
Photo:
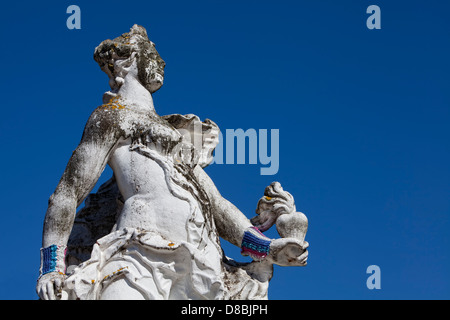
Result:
128,46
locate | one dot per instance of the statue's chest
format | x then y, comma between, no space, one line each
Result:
163,139
157,136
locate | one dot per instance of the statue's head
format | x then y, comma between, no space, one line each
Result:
131,50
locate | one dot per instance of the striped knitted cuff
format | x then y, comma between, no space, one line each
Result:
53,259
255,244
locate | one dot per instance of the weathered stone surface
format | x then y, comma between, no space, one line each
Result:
153,230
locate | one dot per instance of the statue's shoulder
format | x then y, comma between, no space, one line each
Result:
110,118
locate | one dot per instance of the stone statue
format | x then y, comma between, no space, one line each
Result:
152,231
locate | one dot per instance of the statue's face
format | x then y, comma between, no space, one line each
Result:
116,56
150,67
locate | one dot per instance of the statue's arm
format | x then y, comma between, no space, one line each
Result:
234,227
231,223
82,172
85,166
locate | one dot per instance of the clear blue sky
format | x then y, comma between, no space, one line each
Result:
363,118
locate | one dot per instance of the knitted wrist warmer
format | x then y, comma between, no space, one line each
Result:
53,259
255,244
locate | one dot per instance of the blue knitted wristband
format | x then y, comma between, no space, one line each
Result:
255,244
53,259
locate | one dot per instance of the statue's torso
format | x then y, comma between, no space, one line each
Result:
164,244
155,192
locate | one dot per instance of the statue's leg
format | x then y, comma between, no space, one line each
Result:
120,289
128,279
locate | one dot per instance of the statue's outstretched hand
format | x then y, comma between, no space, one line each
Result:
49,286
288,252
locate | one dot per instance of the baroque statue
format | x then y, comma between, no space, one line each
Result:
153,230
